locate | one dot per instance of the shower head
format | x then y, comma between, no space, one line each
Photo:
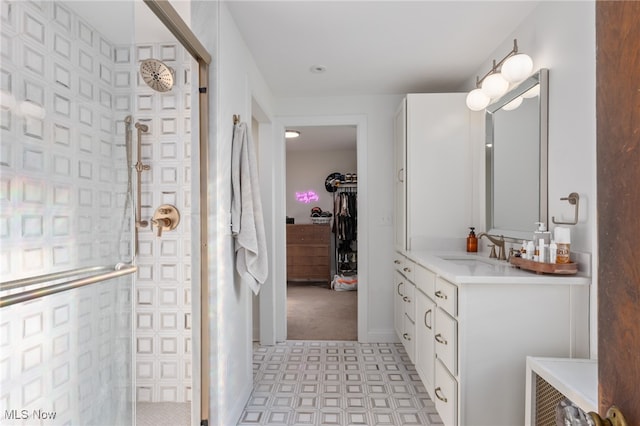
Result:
157,75
142,127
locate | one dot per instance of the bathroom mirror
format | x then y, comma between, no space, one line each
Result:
516,159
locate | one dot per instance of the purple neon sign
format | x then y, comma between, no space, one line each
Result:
307,196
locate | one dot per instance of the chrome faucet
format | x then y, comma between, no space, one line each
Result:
498,240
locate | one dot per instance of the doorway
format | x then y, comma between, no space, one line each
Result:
321,232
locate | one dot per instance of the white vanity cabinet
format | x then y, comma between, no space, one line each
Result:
483,334
433,167
473,335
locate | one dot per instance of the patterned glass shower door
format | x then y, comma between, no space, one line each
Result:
65,205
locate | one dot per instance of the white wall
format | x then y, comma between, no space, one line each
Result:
307,170
560,36
234,81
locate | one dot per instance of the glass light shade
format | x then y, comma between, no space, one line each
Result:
477,100
289,134
513,104
532,93
517,68
495,85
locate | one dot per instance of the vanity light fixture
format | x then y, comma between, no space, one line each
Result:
511,69
290,134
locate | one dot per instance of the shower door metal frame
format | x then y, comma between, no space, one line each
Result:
176,25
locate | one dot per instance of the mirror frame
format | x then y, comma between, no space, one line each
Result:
540,77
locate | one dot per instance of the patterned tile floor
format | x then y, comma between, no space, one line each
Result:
336,383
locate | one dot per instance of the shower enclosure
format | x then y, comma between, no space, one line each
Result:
78,329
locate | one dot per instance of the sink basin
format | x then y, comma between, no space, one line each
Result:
467,261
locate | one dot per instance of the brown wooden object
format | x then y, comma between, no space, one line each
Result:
309,253
618,157
545,268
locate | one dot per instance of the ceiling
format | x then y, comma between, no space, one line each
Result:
373,47
323,138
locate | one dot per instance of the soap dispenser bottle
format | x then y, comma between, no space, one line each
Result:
472,241
542,233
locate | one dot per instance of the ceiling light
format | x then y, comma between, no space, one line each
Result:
290,134
317,69
513,68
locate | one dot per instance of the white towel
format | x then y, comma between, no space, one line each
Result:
247,222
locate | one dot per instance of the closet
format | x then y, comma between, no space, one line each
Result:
345,228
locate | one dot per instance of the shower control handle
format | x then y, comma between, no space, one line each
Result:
160,223
165,218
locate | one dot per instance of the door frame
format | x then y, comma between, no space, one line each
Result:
278,309
200,330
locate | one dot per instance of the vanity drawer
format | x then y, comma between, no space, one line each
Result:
447,296
399,261
446,337
446,395
408,269
408,291
425,280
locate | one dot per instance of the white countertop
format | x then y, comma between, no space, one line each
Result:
466,268
577,379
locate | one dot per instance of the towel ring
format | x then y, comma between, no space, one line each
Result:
574,199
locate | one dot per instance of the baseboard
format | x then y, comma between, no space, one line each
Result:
380,336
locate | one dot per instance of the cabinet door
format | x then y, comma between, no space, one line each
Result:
398,305
409,337
400,170
439,194
425,348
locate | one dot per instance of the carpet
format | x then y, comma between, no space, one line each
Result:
316,312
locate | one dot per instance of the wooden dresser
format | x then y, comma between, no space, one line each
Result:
309,253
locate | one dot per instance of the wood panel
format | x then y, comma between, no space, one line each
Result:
618,150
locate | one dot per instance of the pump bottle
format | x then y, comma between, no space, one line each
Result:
472,241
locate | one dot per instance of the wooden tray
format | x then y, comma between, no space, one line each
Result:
545,268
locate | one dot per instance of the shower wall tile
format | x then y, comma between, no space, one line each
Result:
59,158
162,302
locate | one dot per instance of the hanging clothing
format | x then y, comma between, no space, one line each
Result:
247,222
346,216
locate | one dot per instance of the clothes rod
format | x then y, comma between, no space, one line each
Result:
26,296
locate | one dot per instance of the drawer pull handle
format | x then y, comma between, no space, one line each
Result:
441,295
406,269
425,319
406,299
397,262
439,339
399,284
406,336
438,392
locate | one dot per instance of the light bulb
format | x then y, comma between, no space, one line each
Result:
513,104
477,100
517,68
495,85
532,93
